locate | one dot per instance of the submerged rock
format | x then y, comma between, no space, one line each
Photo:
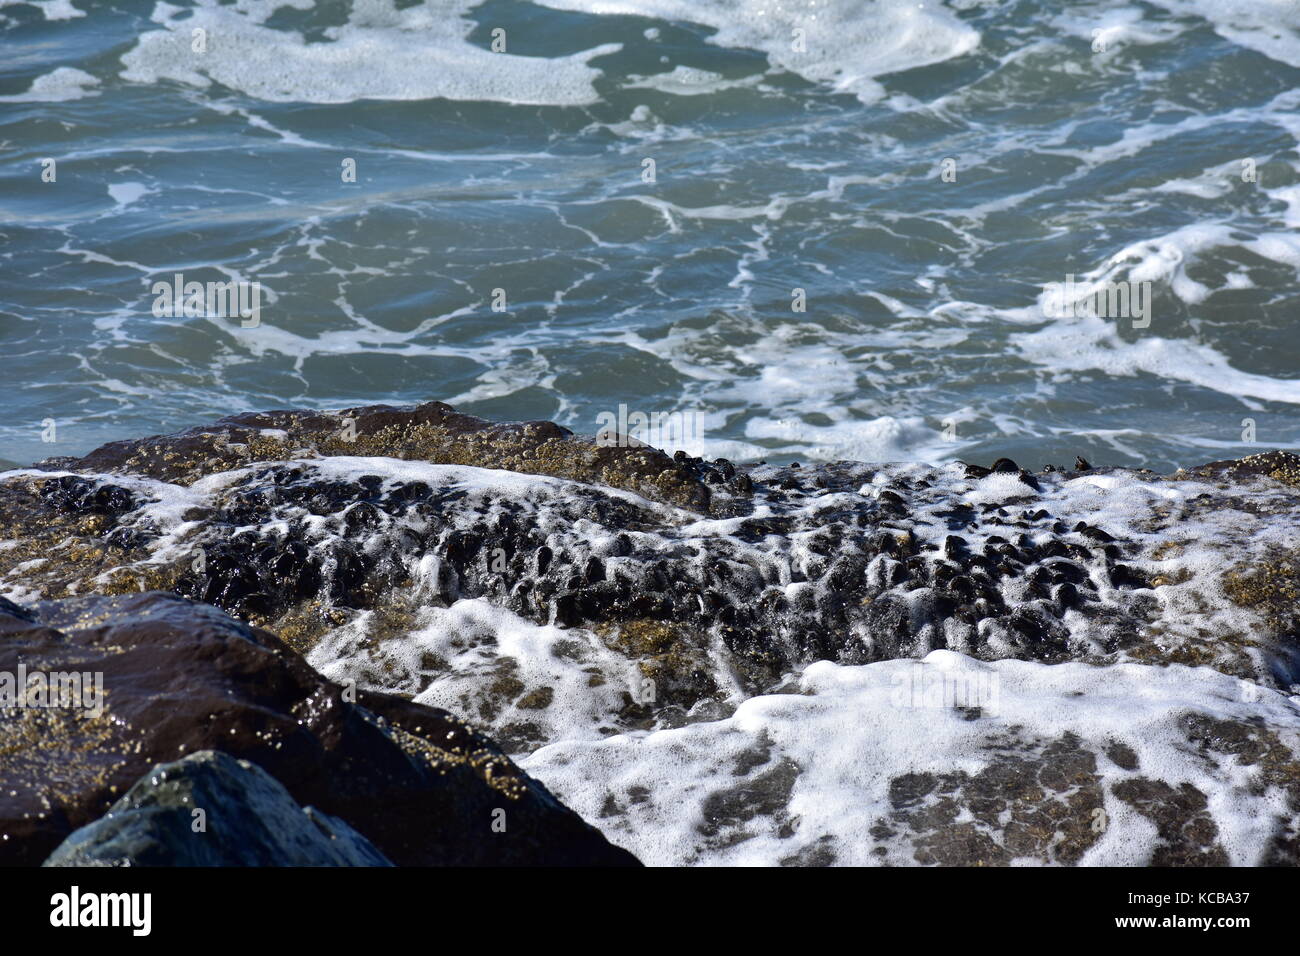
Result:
209,809
171,678
953,762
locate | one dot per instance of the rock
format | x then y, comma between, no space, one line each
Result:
247,819
626,597
952,762
432,432
305,546
179,677
1283,466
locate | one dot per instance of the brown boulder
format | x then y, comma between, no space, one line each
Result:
180,677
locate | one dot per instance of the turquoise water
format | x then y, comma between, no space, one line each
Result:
922,172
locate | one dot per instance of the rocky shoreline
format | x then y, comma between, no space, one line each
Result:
593,609
182,678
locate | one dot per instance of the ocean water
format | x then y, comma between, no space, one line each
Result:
819,229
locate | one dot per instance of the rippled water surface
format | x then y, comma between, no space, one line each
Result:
921,172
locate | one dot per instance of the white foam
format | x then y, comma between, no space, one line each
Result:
819,399
886,438
1084,342
126,193
849,731
58,86
1271,27
842,45
51,9
457,657
1109,30
417,53
688,81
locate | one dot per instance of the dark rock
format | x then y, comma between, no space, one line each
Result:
209,809
1037,801
1066,595
1188,835
1283,466
180,677
432,432
582,555
1122,755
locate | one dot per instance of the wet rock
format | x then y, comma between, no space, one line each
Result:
843,561
180,677
767,793
1093,534
1066,595
1122,755
948,762
1256,751
1283,466
1033,800
209,809
433,432
1188,835
300,550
